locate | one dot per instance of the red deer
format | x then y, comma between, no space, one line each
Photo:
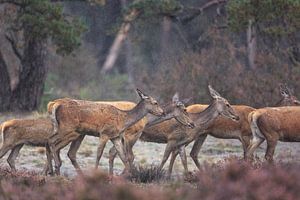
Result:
227,129
273,125
174,110
177,136
17,132
102,120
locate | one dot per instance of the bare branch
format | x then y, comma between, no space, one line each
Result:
198,11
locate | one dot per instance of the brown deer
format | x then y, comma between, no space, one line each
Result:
175,109
17,132
177,136
273,124
102,120
227,129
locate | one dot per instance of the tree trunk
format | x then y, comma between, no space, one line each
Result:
251,44
27,94
165,38
119,39
5,91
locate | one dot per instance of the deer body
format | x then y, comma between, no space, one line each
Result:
102,120
177,136
273,125
34,132
130,135
174,110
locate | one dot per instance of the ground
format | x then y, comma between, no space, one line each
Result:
213,150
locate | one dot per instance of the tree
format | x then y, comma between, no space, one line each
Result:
30,28
276,19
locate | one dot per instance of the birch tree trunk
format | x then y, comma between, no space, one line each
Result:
118,41
252,44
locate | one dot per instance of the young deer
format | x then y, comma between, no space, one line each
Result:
17,132
175,109
102,120
177,136
273,124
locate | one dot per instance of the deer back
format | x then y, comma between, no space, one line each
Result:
282,121
28,131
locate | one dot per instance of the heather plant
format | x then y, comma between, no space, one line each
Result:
231,179
147,174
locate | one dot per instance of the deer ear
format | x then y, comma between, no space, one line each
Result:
213,93
141,94
175,98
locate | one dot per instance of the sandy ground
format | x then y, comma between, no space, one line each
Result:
213,151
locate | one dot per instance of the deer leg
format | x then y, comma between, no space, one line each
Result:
182,154
271,144
120,149
4,149
172,161
254,143
55,148
48,168
113,152
196,149
129,153
245,140
102,143
13,155
73,151
169,148
112,155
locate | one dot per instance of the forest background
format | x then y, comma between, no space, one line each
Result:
104,49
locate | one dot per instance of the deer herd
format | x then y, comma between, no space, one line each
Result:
123,123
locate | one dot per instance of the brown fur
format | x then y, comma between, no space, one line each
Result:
273,124
77,118
18,132
177,136
130,135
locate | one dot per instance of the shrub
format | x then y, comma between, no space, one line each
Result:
147,174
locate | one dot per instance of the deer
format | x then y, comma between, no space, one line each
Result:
34,132
273,124
102,120
177,136
227,129
175,110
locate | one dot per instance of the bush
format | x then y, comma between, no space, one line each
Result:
147,174
231,180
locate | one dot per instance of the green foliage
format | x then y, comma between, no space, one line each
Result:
273,17
44,19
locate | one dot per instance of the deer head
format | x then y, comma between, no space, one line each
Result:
222,105
180,113
150,104
288,99
175,109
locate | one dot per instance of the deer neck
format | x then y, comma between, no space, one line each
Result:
206,117
135,114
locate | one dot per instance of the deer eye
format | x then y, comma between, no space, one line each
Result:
155,103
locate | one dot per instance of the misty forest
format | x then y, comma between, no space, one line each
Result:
121,70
